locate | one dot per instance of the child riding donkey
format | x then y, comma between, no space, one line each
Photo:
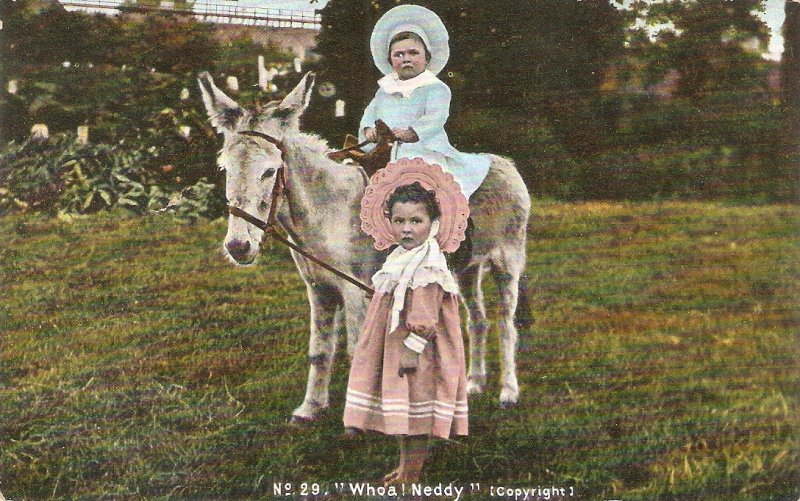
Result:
408,375
410,46
275,172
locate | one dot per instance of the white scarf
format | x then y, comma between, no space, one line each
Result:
391,83
413,268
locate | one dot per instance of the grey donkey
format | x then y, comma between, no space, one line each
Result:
320,212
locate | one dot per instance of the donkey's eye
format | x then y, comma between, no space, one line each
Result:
269,173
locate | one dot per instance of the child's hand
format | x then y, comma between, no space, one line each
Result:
406,135
408,361
371,134
426,331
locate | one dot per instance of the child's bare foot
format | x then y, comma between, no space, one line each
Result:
391,477
351,432
402,476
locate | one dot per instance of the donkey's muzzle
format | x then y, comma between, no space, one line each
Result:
238,250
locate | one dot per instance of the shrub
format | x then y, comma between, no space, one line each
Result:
63,176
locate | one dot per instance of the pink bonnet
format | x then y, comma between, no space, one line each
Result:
453,203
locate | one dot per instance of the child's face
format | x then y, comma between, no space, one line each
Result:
408,58
411,224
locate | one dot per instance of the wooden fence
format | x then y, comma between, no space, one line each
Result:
210,11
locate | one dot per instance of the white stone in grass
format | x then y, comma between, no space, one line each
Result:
83,134
40,132
232,83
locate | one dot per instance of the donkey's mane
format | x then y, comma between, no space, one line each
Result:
313,149
311,143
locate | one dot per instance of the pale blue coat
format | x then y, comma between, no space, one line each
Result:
426,110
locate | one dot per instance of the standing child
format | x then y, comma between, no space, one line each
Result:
410,45
408,375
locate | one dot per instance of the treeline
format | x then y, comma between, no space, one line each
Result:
592,104
589,105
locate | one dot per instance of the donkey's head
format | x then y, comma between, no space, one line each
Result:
251,161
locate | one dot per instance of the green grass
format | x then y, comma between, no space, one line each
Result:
663,363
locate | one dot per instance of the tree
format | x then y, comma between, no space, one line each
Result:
790,63
520,55
343,41
707,44
547,56
790,69
167,43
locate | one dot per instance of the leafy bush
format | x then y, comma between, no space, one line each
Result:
543,161
680,165
64,176
188,205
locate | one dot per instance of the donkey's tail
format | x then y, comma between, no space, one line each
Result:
523,317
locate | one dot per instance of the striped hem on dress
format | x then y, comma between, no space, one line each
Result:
388,407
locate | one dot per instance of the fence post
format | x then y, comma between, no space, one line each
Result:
263,78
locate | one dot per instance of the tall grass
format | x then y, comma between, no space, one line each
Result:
663,363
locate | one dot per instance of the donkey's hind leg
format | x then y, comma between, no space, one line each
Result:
507,269
470,285
325,301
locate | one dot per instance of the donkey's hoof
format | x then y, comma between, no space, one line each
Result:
509,396
301,420
312,418
474,386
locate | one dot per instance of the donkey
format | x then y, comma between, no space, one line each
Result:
320,212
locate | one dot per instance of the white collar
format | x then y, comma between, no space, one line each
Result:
410,269
391,83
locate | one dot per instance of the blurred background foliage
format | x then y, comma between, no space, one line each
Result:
593,105
589,103
130,78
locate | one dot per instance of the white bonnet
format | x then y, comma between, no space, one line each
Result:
415,19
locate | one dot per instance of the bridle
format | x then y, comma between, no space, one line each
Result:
277,189
269,227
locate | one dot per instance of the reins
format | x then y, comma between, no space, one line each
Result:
269,227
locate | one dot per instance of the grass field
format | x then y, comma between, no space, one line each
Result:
663,363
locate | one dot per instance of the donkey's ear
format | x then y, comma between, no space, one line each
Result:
223,111
297,100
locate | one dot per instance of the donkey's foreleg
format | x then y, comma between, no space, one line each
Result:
355,310
322,347
472,294
507,278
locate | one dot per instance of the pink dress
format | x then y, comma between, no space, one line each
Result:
430,401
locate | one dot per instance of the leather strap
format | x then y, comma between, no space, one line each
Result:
269,228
